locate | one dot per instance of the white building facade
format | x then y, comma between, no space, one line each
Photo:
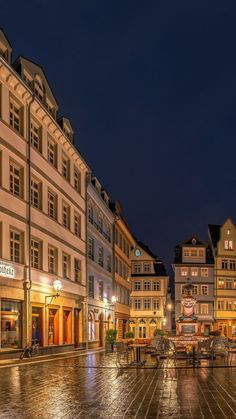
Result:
100,264
42,213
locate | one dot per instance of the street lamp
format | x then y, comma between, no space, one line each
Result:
57,285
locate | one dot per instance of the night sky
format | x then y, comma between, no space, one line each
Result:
150,90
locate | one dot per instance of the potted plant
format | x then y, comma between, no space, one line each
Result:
129,335
110,338
158,332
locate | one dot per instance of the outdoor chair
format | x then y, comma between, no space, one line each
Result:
230,352
205,350
155,348
122,352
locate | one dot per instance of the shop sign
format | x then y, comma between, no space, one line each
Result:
6,270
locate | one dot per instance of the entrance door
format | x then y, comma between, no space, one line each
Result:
37,325
66,326
76,326
53,327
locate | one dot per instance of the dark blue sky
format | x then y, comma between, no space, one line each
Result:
150,89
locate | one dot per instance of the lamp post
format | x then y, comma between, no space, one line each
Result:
57,286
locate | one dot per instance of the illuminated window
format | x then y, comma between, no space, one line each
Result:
229,305
194,252
204,308
184,271
91,327
194,271
201,253
221,305
221,283
186,252
228,245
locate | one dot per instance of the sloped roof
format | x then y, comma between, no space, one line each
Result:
4,40
34,69
146,249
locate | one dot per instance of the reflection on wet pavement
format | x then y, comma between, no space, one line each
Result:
82,388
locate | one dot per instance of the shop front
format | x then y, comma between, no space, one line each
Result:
11,324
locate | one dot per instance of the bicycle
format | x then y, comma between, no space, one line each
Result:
30,349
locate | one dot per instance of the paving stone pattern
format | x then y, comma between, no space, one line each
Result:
92,387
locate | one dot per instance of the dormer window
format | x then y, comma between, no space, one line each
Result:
38,89
228,244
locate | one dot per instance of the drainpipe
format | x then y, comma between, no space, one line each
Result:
28,281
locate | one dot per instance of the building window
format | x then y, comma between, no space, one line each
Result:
11,323
228,245
195,290
224,264
147,303
204,290
221,283
204,272
193,252
91,286
52,205
36,193
147,267
100,256
77,270
52,260
65,167
156,304
186,252
16,116
36,136
156,286
65,265
16,179
100,290
229,284
204,308
91,248
137,267
66,215
228,305
36,254
201,253
77,224
90,213
194,271
147,285
137,304
77,180
232,265
52,152
221,305
109,263
16,246
184,271
100,223
137,285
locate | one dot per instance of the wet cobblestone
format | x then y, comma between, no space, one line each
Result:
92,387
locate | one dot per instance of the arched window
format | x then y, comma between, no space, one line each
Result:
91,327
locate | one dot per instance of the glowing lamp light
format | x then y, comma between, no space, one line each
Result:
164,320
169,306
57,285
113,299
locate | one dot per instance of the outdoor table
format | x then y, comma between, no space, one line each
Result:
137,347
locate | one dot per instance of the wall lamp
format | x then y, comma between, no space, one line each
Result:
57,286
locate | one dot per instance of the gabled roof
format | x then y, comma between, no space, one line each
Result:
193,241
34,69
4,39
146,249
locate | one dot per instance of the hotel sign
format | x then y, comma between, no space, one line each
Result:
6,270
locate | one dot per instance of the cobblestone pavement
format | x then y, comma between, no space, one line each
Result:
91,386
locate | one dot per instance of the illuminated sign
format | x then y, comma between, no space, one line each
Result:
6,270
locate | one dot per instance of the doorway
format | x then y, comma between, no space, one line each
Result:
76,326
37,325
53,326
67,335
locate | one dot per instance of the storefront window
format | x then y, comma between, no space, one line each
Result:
53,327
10,313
